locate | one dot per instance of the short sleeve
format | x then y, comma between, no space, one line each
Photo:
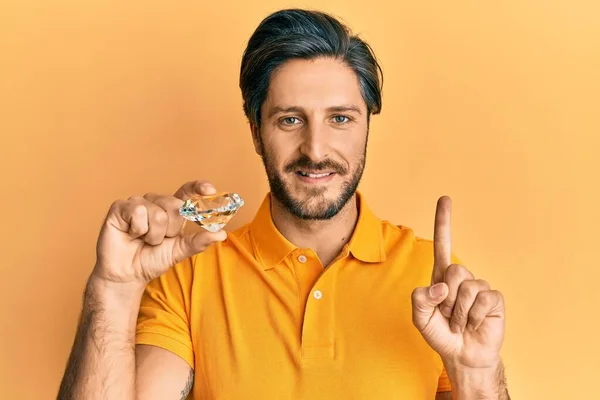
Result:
444,382
163,318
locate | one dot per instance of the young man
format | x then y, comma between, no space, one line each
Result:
316,298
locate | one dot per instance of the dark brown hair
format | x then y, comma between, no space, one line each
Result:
295,33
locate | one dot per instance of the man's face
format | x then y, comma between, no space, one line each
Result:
313,136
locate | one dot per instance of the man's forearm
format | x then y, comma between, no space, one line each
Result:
102,361
478,384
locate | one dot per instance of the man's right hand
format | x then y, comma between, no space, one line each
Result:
142,237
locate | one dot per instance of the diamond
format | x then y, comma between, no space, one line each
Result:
211,212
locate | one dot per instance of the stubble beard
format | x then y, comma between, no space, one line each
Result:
325,209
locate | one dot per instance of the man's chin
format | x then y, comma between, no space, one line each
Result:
317,207
313,198
309,202
315,215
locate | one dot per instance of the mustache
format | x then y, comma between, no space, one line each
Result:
306,163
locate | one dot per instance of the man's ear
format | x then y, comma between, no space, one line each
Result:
255,130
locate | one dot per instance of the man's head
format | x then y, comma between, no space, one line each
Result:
309,88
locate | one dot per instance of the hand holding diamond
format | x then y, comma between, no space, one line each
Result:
142,237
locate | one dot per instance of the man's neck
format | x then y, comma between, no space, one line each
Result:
326,238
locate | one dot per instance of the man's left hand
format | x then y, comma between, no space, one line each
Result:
459,316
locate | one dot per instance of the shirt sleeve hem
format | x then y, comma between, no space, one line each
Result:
168,343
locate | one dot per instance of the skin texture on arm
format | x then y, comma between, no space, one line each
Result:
105,363
102,361
477,383
162,374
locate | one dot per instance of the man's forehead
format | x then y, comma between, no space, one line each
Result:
321,83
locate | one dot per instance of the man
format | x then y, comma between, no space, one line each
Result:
316,298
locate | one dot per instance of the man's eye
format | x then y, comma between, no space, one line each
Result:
340,119
290,121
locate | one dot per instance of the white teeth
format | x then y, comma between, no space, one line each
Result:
314,175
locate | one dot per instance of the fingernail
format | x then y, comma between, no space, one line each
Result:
220,236
436,290
455,328
446,311
208,188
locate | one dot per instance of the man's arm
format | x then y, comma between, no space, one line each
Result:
140,240
104,358
478,383
102,361
162,374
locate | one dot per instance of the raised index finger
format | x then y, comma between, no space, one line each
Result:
442,239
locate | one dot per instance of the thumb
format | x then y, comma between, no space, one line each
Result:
424,302
194,243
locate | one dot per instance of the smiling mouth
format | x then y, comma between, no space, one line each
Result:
313,175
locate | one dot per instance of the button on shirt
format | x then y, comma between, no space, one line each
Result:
257,317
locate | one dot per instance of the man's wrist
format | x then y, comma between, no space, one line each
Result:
117,304
478,383
108,291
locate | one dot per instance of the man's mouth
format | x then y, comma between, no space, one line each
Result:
314,175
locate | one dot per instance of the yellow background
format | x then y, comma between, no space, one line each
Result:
494,103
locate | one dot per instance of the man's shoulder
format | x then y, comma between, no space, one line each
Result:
240,233
402,234
400,237
403,245
238,239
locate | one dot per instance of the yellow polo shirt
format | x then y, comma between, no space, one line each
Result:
259,318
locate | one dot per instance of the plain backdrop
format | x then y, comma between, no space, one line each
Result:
493,103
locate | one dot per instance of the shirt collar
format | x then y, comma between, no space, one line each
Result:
366,243
271,247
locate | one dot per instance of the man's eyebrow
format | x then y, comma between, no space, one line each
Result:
345,108
278,109
342,108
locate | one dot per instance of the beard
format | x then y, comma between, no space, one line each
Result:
325,208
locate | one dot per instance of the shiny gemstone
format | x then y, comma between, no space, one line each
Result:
211,212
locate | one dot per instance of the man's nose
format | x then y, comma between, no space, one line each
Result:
316,142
